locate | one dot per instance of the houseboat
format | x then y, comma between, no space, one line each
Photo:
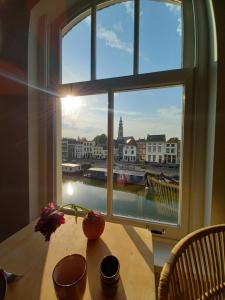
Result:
119,176
71,169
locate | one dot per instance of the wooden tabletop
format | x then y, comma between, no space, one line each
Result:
27,253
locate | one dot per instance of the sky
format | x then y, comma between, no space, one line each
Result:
152,111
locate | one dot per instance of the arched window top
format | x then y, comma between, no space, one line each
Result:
122,38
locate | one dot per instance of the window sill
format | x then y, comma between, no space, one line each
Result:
161,251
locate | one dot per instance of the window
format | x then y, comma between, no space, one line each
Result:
114,52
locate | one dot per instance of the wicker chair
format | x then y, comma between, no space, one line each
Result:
196,267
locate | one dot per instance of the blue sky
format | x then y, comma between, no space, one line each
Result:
151,111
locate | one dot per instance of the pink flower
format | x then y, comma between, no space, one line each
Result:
49,221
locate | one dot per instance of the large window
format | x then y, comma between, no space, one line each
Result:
128,98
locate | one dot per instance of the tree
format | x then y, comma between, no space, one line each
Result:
100,139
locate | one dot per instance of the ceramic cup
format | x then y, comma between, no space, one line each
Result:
69,277
109,274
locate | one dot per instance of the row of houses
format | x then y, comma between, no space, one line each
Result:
154,149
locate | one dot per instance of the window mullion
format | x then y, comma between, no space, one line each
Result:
93,41
136,36
110,154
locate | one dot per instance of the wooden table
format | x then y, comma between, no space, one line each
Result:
27,253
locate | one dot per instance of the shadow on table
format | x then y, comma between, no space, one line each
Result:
95,252
140,245
26,254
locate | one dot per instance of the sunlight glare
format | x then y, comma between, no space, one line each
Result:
71,105
70,190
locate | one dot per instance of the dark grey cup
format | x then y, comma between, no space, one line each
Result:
110,274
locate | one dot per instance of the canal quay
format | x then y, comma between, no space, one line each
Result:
148,199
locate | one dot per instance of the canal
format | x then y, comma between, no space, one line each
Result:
128,200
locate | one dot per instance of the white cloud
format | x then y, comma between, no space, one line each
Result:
112,40
129,6
176,10
118,27
179,26
173,8
170,112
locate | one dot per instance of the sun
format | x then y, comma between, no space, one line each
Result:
71,105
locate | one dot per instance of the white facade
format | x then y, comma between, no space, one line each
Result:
129,153
64,150
78,150
88,148
171,155
99,152
155,152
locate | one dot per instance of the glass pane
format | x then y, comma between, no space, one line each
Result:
160,36
115,40
148,125
84,151
76,52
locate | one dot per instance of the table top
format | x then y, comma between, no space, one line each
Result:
27,253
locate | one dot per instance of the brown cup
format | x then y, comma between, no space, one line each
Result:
69,277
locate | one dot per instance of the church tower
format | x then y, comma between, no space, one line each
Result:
120,130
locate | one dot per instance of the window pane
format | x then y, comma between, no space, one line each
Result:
146,175
115,40
160,36
76,52
84,151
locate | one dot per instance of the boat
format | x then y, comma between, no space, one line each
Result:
69,168
121,177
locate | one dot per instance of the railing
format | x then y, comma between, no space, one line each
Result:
165,194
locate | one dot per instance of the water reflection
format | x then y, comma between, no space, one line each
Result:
129,200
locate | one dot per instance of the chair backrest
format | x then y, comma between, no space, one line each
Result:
196,267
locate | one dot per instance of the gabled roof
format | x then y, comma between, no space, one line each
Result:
156,138
131,142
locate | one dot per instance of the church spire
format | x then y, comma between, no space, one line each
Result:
120,130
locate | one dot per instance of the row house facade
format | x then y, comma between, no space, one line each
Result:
141,149
73,149
172,154
158,150
130,151
154,149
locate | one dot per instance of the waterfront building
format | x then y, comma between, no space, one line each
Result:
78,148
155,148
64,144
99,151
130,150
172,155
141,149
87,150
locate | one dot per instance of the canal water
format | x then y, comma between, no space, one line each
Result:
128,200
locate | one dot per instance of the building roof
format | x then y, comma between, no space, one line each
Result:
173,140
131,142
141,140
70,165
156,138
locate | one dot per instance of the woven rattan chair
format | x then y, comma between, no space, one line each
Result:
196,267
